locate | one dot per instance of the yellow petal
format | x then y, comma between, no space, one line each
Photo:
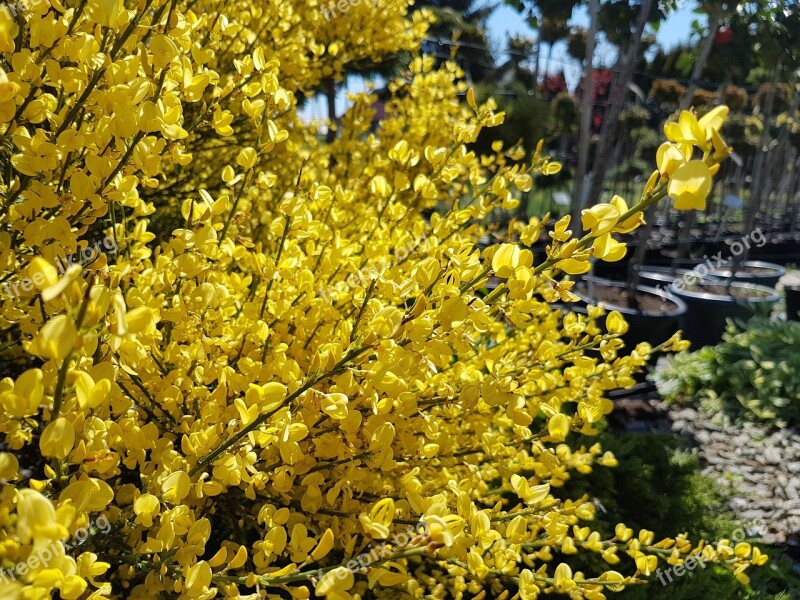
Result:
324,546
615,323
176,487
600,218
335,405
239,559
505,260
339,579
713,120
690,185
147,504
56,339
58,439
42,273
563,576
669,158
558,427
9,466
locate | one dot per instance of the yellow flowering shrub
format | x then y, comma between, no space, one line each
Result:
303,389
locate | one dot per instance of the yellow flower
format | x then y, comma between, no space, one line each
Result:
198,579
56,339
58,438
529,234
25,395
690,185
558,426
686,131
146,508
529,494
36,517
247,158
563,578
335,583
608,249
600,219
629,224
691,132
508,257
713,120
335,405
176,487
670,157
615,323
9,466
561,233
105,12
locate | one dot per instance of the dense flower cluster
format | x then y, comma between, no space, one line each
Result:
248,416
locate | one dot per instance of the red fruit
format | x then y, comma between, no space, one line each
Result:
724,36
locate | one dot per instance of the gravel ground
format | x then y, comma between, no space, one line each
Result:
758,465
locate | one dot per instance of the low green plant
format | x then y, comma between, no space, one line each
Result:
658,486
754,373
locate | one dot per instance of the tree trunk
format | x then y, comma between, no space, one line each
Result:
700,65
586,119
754,202
697,73
547,63
615,106
330,95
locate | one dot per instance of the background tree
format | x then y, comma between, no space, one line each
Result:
586,113
550,18
463,24
629,57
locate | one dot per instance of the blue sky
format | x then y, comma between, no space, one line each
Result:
506,21
676,29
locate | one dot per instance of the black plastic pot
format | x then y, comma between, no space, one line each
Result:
782,251
792,303
652,327
661,277
708,313
768,279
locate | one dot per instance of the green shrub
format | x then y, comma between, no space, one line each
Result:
658,486
754,373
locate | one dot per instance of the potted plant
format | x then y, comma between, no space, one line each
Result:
753,271
710,303
661,277
653,315
791,290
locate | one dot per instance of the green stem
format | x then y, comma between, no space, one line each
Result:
58,395
367,296
224,231
317,573
206,460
